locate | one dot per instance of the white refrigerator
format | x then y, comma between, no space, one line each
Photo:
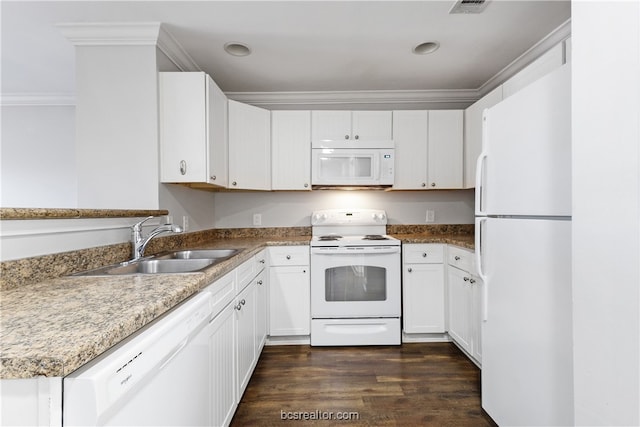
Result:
523,250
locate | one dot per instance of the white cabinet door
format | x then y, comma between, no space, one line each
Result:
375,126
224,398
410,135
330,125
245,314
193,129
460,309
249,147
291,150
445,149
341,125
473,134
261,311
289,300
423,298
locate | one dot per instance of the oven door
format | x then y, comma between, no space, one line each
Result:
349,282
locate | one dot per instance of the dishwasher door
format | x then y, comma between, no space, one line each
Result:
158,377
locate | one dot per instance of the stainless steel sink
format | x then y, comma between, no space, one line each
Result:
152,266
216,254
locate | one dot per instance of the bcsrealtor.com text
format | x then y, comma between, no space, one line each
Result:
318,415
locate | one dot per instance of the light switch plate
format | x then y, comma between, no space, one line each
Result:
431,215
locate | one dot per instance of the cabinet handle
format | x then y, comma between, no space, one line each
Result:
261,261
409,269
424,255
304,271
183,167
243,302
238,307
472,281
466,279
259,282
288,256
457,258
306,185
433,184
213,177
234,183
357,136
346,137
424,184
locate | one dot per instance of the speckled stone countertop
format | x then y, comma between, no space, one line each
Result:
58,213
54,326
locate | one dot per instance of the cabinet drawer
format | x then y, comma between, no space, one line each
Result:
289,255
461,258
222,291
423,253
244,273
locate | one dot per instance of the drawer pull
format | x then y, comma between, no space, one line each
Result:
424,255
466,279
259,282
457,258
288,256
472,281
409,269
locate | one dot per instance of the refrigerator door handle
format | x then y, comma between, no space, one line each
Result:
481,274
480,166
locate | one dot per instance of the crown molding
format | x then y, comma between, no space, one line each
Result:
37,99
111,33
168,45
378,98
559,35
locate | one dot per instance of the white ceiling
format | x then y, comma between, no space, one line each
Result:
297,45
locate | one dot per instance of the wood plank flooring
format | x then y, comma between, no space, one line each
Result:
416,384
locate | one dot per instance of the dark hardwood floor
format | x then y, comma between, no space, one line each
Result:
421,384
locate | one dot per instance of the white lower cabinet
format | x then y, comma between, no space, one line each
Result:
245,307
464,302
289,291
223,385
423,290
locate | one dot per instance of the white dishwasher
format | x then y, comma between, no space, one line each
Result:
157,377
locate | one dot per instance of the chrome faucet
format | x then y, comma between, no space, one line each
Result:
140,243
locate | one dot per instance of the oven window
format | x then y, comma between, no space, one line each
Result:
355,283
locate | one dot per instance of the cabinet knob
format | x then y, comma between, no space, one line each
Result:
183,167
457,258
243,302
259,282
357,136
346,137
424,184
472,281
466,279
288,256
409,269
304,271
238,307
261,261
234,183
433,184
424,255
213,177
306,185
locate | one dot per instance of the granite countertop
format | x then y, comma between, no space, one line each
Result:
53,327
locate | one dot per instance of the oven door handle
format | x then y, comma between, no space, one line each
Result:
356,250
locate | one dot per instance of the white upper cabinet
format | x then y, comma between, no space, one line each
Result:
291,150
445,149
428,149
193,129
249,147
410,135
350,126
473,133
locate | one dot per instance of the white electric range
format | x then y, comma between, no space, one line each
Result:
355,279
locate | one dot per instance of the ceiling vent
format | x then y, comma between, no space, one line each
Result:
469,6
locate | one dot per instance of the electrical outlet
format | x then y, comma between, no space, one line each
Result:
257,219
185,223
431,215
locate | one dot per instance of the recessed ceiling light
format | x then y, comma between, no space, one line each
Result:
237,49
426,47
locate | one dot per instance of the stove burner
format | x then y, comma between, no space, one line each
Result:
374,237
329,238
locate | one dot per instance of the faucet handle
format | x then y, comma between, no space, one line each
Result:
138,225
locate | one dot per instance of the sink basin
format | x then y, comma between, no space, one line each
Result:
152,266
216,254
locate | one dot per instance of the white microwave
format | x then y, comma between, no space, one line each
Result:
352,166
